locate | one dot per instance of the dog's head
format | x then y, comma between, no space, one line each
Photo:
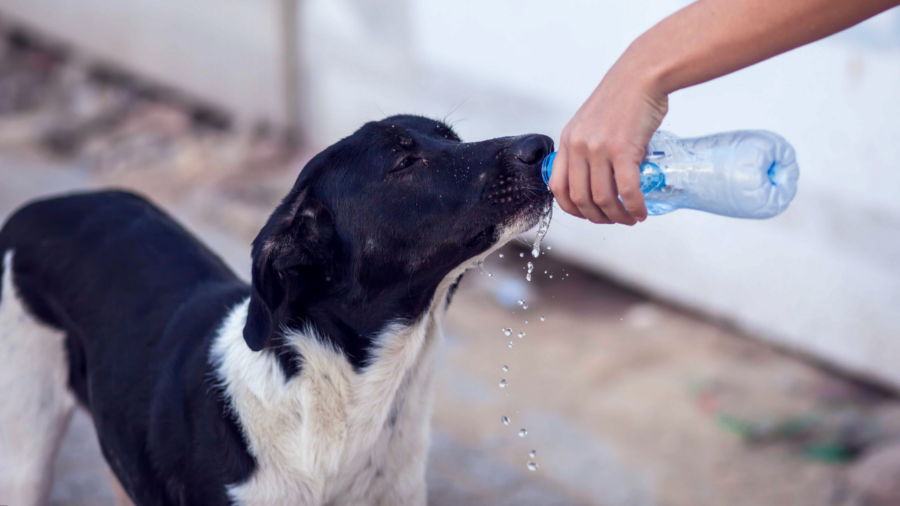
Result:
375,222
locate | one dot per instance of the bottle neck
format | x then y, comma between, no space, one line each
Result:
652,177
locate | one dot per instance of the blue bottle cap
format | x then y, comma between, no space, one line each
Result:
652,177
547,167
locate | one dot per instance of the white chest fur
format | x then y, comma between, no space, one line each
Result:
332,436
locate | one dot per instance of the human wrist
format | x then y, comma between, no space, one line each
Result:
648,68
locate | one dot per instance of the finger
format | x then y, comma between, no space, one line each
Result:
628,181
605,193
559,183
580,190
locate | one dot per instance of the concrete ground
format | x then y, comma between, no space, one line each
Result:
622,398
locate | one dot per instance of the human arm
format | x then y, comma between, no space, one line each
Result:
603,145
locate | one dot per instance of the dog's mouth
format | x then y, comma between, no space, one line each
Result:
515,205
517,201
510,191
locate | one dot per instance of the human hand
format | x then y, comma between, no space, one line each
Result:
602,147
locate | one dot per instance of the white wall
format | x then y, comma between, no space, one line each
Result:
227,51
824,277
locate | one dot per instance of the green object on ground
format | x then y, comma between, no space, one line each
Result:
832,453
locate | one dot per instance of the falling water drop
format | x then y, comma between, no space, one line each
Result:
543,319
521,335
501,255
530,268
507,331
510,344
532,466
532,454
542,231
505,420
504,369
526,305
521,255
503,383
521,302
523,433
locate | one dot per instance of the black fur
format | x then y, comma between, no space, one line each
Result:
140,300
370,228
385,232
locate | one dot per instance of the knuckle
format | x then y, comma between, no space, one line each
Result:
596,146
582,200
579,144
629,192
602,201
557,185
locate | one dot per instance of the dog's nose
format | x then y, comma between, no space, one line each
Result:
532,149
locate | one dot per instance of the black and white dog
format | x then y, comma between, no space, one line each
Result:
311,386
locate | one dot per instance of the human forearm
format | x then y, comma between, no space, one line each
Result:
711,38
602,146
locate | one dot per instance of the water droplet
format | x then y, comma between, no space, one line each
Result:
532,466
510,344
508,332
505,420
523,433
491,275
532,454
501,255
526,305
503,383
504,368
521,302
542,231
526,322
521,255
521,335
545,272
530,268
543,319
549,248
551,276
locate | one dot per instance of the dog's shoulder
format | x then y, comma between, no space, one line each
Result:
190,407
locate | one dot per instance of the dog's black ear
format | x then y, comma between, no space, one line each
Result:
290,259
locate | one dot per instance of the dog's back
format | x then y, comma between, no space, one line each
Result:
98,286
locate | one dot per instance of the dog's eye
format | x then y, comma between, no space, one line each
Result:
406,163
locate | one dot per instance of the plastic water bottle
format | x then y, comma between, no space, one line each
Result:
743,174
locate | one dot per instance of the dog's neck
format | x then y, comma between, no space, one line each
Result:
330,423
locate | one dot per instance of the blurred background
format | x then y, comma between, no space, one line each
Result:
691,360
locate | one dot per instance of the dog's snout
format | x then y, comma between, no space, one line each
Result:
531,149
